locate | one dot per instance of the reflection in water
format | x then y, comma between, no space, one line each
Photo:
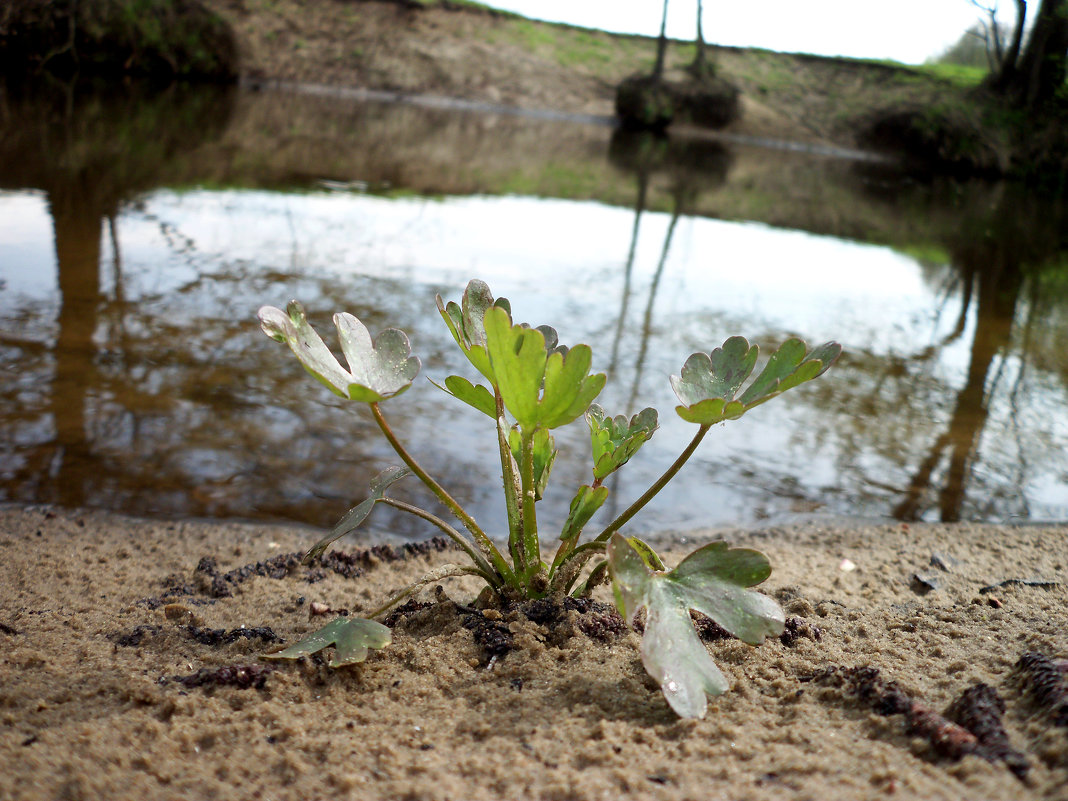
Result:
994,253
140,382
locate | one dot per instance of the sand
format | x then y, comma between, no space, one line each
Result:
131,668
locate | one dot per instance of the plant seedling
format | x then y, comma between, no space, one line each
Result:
534,385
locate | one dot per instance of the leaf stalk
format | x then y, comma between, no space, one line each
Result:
500,564
658,485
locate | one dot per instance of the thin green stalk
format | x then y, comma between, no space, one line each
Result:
512,490
660,483
452,533
531,546
572,563
597,576
484,542
443,572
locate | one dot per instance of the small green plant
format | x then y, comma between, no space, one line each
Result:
534,385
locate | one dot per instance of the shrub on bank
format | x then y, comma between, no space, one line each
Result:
159,38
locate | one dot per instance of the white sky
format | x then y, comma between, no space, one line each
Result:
909,31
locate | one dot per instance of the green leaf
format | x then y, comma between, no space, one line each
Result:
569,389
466,323
711,580
583,506
356,515
377,370
616,439
544,456
645,551
518,356
353,638
540,388
474,395
709,382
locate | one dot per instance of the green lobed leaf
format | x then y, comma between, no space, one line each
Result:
645,551
615,439
709,382
466,322
474,395
583,506
569,389
353,638
356,515
712,580
518,357
377,370
544,456
540,388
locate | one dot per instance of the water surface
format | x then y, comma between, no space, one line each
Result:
133,260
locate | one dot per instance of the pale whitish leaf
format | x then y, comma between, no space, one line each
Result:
377,370
713,581
465,322
352,637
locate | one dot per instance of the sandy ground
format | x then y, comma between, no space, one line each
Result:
130,669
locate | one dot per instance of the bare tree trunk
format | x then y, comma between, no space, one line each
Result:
1035,76
1005,69
1013,53
661,46
700,63
1042,66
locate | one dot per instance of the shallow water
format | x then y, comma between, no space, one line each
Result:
133,260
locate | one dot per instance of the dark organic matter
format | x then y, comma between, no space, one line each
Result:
979,709
492,636
971,725
219,637
797,628
948,739
1046,682
240,676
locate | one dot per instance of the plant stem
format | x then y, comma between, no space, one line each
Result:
512,489
443,572
531,546
660,483
484,542
452,533
571,565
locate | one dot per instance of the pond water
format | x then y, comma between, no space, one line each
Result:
138,237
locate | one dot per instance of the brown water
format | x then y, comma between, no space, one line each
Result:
138,238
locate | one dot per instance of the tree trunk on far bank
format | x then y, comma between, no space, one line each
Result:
661,46
1039,73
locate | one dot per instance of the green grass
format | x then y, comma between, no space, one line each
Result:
957,74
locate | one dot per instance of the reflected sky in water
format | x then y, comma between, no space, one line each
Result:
136,377
194,267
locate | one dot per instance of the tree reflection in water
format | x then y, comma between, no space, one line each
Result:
167,401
